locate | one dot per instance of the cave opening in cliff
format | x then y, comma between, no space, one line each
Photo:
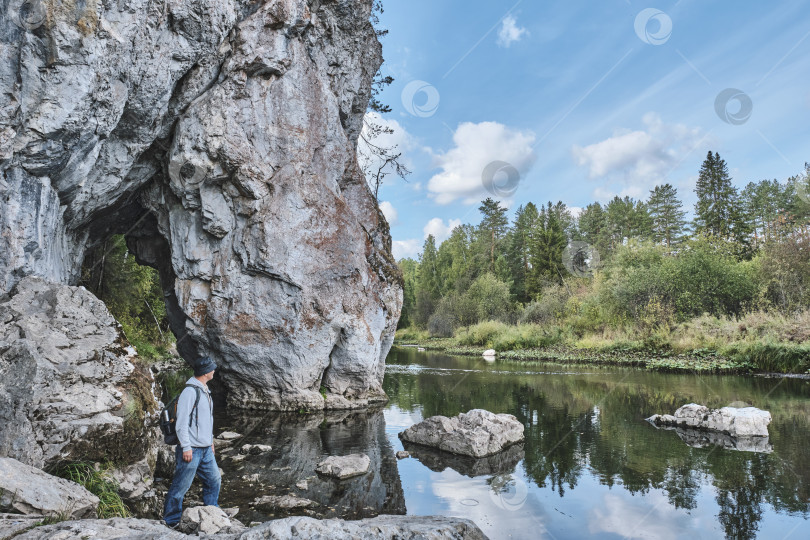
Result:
132,292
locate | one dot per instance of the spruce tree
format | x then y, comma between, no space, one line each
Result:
666,215
592,227
547,247
715,210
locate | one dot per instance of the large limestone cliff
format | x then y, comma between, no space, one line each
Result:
219,136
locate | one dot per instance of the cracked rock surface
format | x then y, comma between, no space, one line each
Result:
71,388
219,136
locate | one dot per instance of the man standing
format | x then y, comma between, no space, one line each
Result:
195,453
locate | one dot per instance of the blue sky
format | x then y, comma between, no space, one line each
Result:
581,101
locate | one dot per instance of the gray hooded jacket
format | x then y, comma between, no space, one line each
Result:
201,432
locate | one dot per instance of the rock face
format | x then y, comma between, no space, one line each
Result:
477,433
344,466
13,524
103,529
302,528
70,387
744,422
382,527
28,490
224,148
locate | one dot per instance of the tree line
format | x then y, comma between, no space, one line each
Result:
642,252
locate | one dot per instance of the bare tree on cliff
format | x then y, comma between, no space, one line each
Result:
376,158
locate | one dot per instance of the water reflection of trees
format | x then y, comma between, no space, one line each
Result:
578,421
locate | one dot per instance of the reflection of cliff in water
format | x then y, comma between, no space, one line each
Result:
298,443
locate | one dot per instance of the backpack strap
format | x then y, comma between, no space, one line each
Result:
195,407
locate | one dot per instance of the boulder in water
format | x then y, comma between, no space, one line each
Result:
743,422
344,466
477,433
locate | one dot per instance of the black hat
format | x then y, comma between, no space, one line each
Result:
203,365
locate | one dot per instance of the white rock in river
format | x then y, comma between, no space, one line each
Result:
477,433
745,422
344,466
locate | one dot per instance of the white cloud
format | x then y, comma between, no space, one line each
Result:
439,230
476,146
650,516
510,32
406,248
390,213
632,162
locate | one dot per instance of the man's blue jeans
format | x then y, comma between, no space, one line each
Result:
203,465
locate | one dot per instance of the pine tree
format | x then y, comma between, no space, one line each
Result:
492,229
519,249
666,215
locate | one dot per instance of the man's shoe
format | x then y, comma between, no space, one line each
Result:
174,526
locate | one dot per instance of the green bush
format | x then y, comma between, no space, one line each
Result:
698,279
481,334
441,324
411,334
549,308
99,483
491,296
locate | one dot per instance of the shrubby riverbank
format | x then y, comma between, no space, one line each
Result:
756,342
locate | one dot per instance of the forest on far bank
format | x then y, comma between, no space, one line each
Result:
623,271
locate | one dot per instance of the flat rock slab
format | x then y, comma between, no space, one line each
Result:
28,490
382,527
13,524
477,433
282,502
736,422
102,529
344,466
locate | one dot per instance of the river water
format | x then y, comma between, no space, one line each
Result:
590,467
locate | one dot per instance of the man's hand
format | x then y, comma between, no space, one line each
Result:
213,451
187,456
